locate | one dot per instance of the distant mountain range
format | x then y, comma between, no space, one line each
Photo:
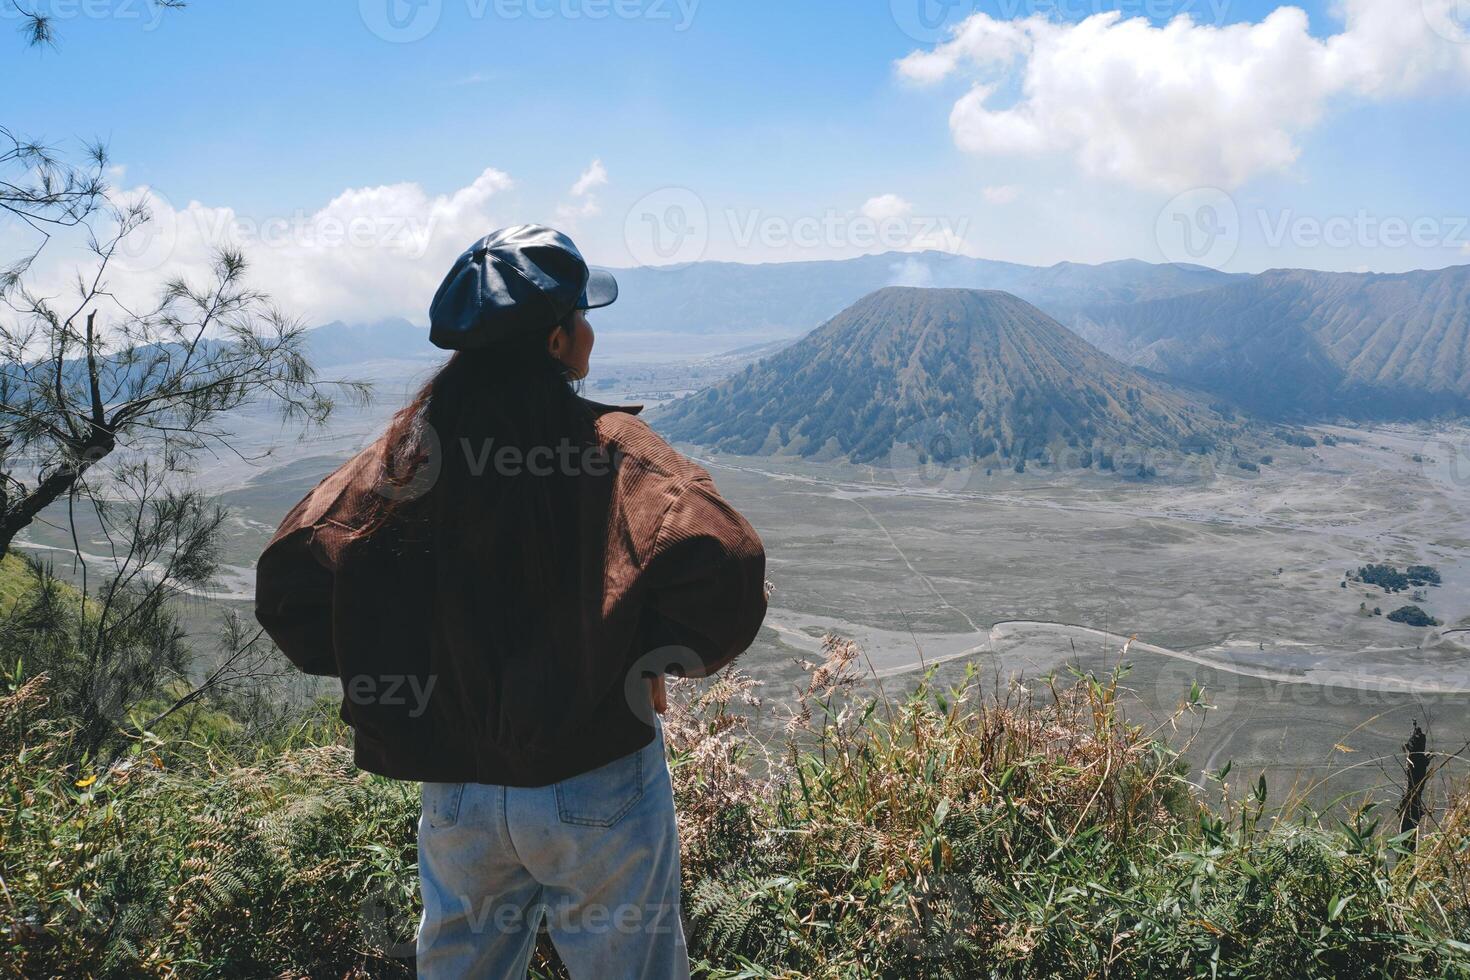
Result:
787,299
1284,344
394,338
955,373
1290,343
793,297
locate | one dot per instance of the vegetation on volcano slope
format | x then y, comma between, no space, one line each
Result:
946,375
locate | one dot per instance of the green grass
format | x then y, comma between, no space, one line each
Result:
16,579
945,832
958,833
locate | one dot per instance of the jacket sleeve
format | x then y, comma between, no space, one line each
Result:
293,596
706,578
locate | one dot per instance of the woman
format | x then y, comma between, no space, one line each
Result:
500,582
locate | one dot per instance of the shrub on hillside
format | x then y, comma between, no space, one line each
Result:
1412,616
166,864
945,833
954,835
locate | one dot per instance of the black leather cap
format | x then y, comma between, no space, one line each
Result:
529,277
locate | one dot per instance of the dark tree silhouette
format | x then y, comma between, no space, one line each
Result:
39,27
78,382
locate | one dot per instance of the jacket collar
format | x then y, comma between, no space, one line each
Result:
599,409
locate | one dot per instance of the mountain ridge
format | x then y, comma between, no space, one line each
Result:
959,373
1297,343
794,297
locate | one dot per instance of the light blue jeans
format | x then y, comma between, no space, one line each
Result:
595,856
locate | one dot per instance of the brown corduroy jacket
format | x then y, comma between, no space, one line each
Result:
670,578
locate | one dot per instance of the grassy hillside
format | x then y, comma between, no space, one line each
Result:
935,833
15,580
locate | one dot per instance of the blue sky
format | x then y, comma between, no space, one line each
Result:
787,130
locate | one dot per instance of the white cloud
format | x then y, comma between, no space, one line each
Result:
1000,193
910,272
584,203
891,222
1184,104
368,253
594,176
940,235
979,40
885,207
570,213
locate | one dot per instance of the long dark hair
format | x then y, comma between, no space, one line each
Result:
444,488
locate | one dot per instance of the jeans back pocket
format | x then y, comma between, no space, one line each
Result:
441,804
602,797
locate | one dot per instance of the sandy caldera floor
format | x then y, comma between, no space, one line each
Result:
1227,578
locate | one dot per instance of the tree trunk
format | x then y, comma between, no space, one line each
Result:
1416,771
18,516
